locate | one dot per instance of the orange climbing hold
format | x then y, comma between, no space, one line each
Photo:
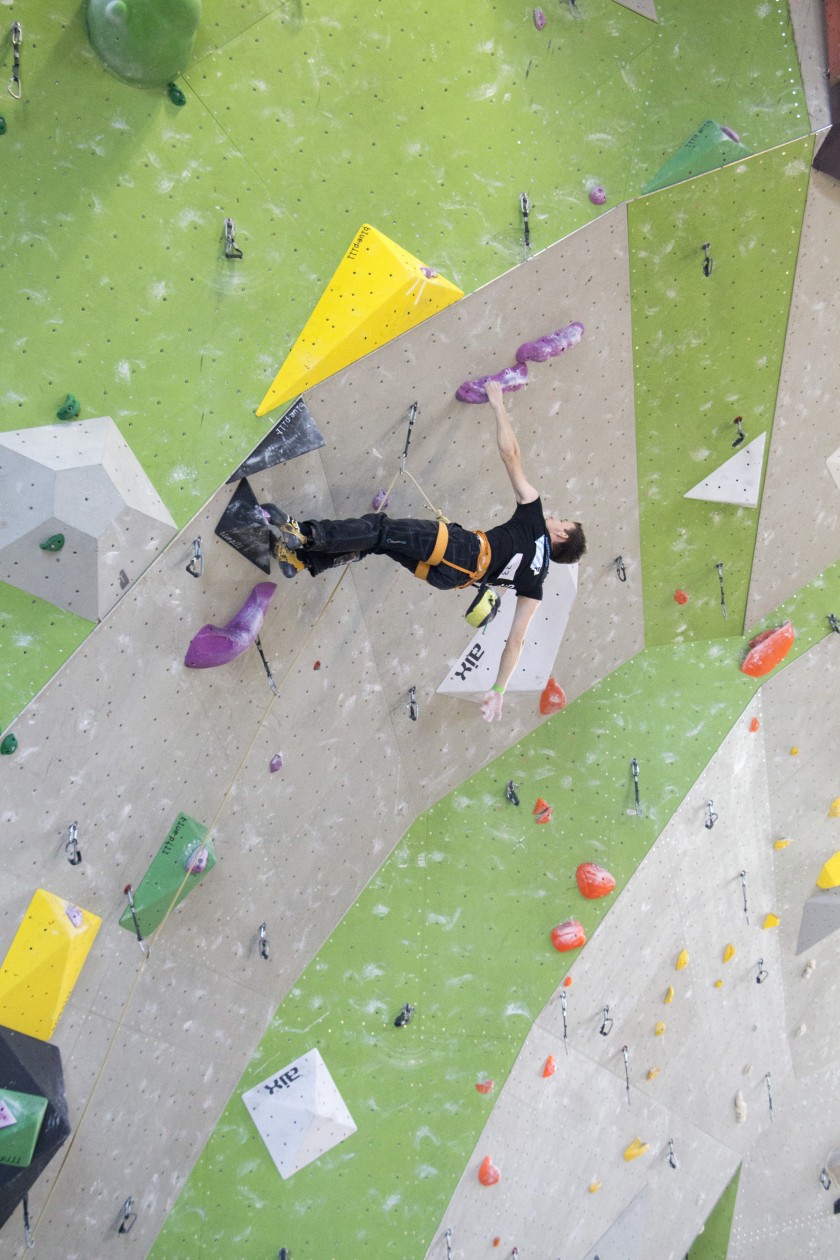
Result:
567,982
754,725
767,650
488,1173
568,935
553,698
550,1066
593,881
542,811
680,597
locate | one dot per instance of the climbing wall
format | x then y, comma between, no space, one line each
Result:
799,527
120,234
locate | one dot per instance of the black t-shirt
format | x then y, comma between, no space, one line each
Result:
524,534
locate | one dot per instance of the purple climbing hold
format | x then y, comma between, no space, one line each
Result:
733,135
539,19
552,343
276,763
380,501
217,645
597,195
510,379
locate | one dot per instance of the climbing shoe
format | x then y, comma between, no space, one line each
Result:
288,562
284,528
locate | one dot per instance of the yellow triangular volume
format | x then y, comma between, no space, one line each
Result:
829,876
378,291
43,963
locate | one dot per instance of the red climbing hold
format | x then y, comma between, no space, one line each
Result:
767,650
754,725
568,935
680,597
550,1066
593,881
484,1087
542,810
488,1173
553,698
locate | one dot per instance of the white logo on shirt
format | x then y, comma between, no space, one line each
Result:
539,555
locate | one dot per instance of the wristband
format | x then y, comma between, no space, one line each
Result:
500,690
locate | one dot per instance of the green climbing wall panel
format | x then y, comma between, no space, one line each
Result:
708,348
713,1243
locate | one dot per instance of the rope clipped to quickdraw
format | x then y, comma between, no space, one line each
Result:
403,471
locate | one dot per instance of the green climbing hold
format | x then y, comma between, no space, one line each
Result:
69,409
147,42
54,543
2,125
9,745
176,96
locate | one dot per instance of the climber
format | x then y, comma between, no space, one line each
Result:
448,556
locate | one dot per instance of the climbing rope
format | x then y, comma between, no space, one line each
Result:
402,471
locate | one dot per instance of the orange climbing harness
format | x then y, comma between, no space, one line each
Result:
436,558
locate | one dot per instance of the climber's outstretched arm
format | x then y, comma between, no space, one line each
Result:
508,446
491,706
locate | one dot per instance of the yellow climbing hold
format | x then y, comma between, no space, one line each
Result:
729,953
718,984
781,844
660,1028
635,1149
669,996
834,809
829,876
652,1073
682,961
594,1187
43,963
794,752
378,291
770,920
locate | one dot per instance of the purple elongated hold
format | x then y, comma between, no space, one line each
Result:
552,343
539,19
510,379
217,645
276,763
380,501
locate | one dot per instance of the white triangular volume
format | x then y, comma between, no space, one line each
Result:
737,481
833,465
299,1113
626,1237
476,669
644,7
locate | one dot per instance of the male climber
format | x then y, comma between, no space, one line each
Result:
448,556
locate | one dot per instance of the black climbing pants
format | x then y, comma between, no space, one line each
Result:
407,541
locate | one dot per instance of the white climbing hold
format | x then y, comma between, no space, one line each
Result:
740,1108
809,968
